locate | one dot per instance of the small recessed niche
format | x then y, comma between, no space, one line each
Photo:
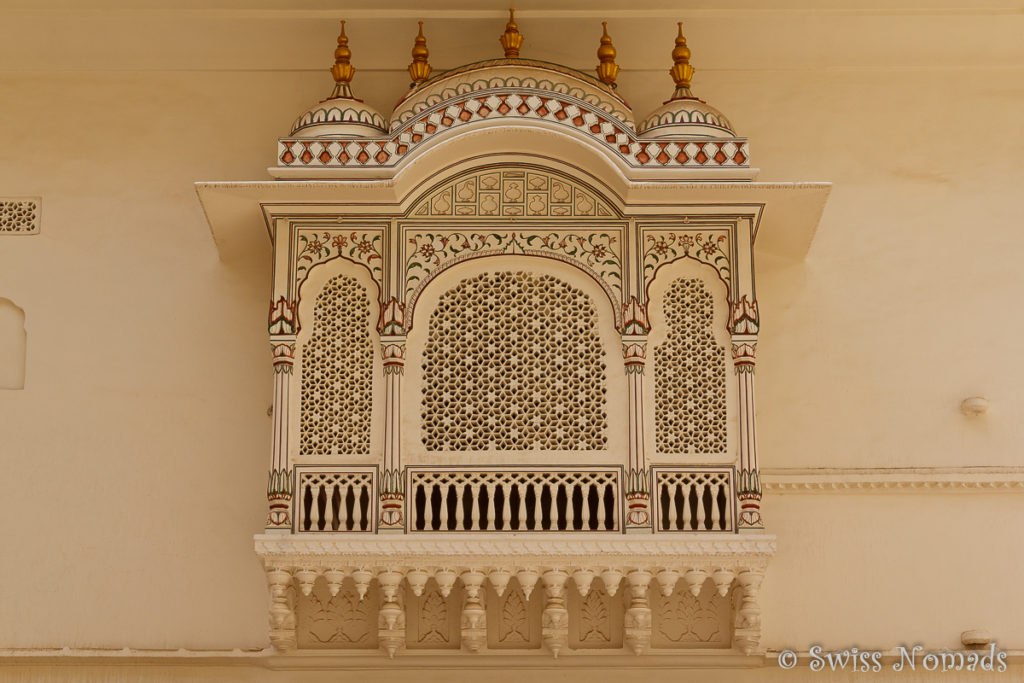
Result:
12,345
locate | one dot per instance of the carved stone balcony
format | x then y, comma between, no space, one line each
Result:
480,592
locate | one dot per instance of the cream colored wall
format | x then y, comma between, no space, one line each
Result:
134,461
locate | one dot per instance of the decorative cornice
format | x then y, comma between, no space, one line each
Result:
824,480
551,548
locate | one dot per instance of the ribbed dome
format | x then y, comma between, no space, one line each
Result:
686,116
339,116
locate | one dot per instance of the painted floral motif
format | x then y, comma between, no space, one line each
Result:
599,252
709,248
314,247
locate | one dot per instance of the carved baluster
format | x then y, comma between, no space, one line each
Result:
555,621
474,508
748,621
585,490
538,518
474,616
357,507
702,488
314,509
715,516
506,507
601,490
460,510
445,492
489,522
521,489
391,619
282,610
673,515
330,514
428,508
570,514
343,488
686,505
638,614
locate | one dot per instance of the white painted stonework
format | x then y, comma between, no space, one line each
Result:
499,290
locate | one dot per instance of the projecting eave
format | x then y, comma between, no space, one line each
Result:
785,215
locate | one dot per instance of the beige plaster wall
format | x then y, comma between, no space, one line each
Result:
134,461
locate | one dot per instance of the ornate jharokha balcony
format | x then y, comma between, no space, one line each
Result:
494,560
514,336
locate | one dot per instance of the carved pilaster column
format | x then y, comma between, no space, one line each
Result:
748,619
634,354
474,615
279,485
638,614
392,490
555,620
282,610
391,618
744,347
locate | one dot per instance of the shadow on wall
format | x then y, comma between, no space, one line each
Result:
12,345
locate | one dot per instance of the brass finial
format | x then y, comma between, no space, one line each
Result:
681,71
419,69
607,70
343,71
511,39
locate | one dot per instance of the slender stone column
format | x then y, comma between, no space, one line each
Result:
279,487
391,618
744,347
634,355
392,345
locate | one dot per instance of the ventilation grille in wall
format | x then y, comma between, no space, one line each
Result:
19,215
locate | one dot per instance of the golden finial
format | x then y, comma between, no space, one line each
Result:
419,69
607,70
343,71
681,70
511,39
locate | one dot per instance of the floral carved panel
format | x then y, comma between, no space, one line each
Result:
432,621
682,621
339,622
711,246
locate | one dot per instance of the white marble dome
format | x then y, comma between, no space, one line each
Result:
339,117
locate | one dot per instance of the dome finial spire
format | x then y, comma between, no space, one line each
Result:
343,71
681,71
511,39
419,69
607,70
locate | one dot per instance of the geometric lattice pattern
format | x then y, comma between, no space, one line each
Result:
689,382
337,369
19,215
513,362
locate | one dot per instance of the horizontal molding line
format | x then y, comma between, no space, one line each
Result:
440,659
521,14
824,480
